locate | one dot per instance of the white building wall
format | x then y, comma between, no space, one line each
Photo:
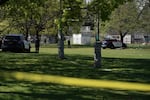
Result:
77,38
127,39
84,37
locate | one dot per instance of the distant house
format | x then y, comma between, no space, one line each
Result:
84,37
132,38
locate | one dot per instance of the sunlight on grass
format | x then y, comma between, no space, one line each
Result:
127,53
27,61
115,53
14,88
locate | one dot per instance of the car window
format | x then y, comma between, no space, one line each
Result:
11,38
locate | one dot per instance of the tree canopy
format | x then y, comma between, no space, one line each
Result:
29,13
105,7
129,18
29,16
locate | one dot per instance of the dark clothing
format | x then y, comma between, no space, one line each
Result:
69,46
37,44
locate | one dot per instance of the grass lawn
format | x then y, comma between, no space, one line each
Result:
125,65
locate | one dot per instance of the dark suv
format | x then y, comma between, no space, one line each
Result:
16,43
112,43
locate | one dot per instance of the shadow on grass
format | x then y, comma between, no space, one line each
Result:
135,70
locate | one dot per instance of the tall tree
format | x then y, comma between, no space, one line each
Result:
124,19
69,12
32,16
143,17
105,7
102,10
3,26
129,18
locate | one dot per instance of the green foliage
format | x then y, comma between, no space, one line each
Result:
128,18
72,9
144,16
71,16
3,23
29,16
105,7
124,18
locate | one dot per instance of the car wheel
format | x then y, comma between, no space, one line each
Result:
112,46
124,45
29,50
23,48
4,50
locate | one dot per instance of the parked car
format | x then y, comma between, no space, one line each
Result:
112,43
16,43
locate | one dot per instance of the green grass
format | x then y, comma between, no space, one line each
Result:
125,65
111,53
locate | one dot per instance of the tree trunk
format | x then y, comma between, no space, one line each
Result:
97,46
97,54
60,35
122,35
61,45
37,42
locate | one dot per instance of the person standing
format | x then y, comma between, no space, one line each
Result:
37,44
69,45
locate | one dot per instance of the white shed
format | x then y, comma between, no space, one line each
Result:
84,37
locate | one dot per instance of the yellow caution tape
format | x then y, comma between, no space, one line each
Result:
23,76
